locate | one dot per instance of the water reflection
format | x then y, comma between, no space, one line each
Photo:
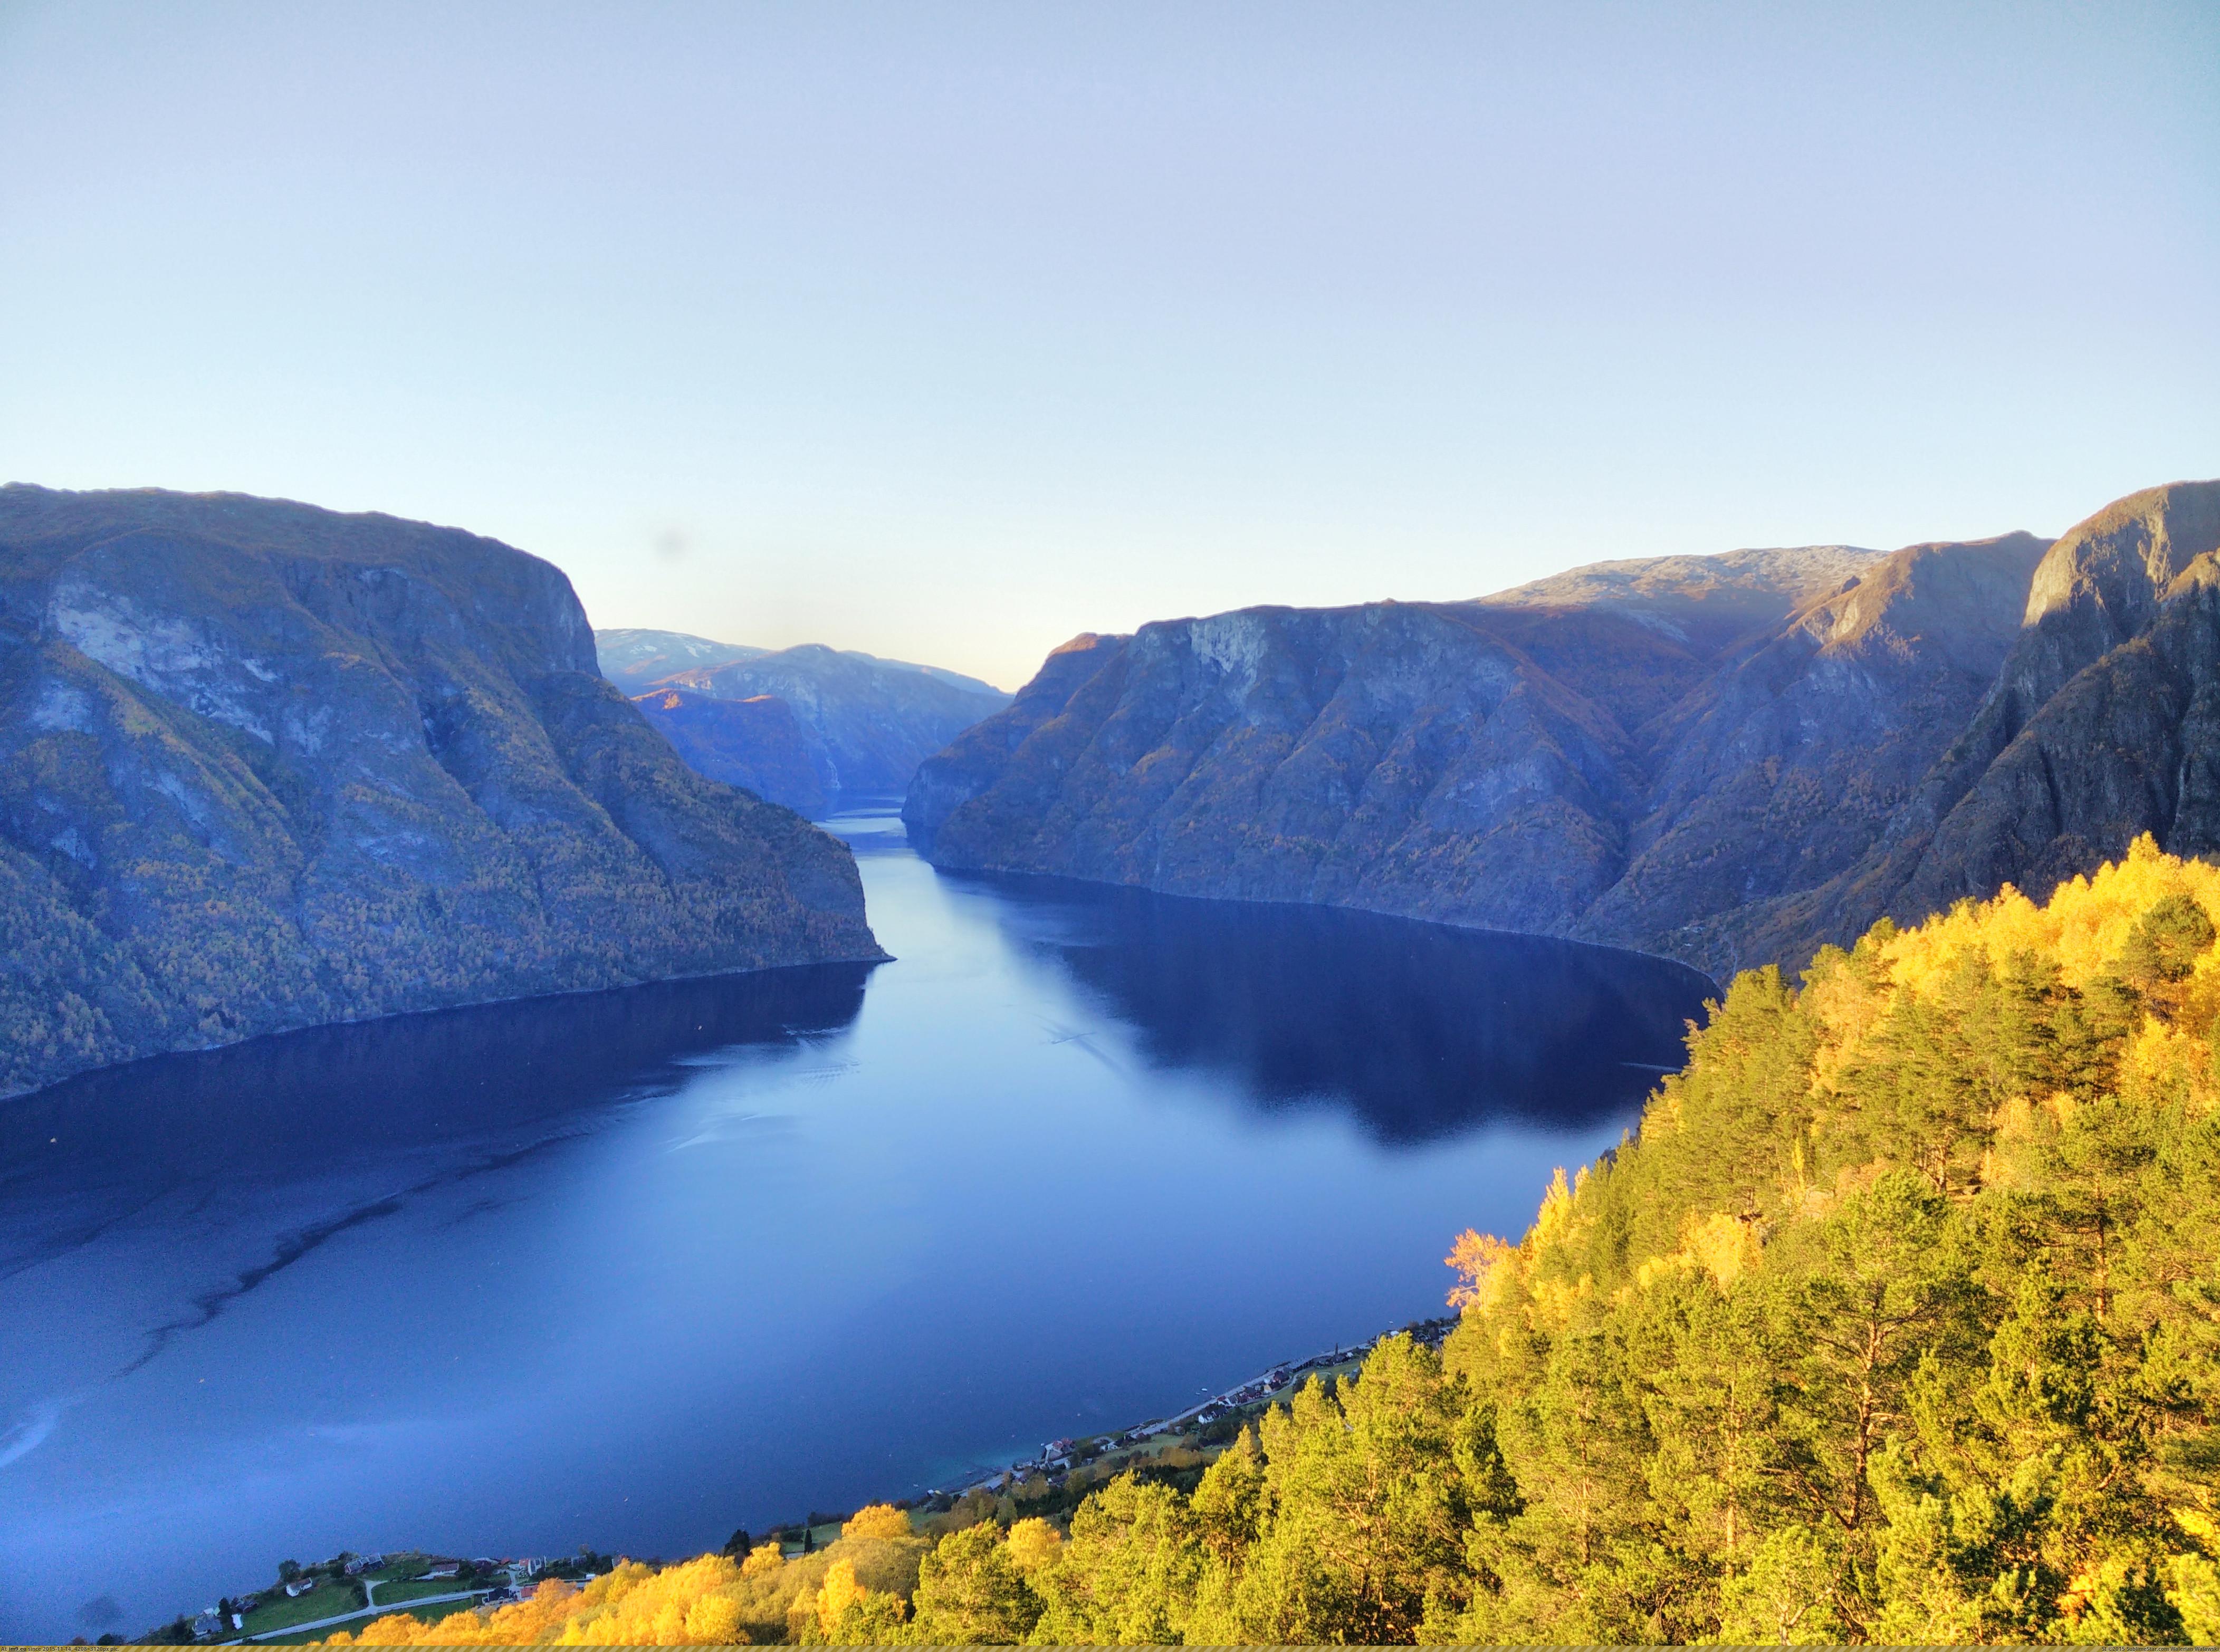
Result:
507,1077
1422,1032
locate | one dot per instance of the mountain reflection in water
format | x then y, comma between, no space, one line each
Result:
1421,1029
403,1081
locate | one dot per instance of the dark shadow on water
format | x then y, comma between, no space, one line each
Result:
310,1097
1421,1029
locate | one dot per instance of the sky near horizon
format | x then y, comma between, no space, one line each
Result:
947,331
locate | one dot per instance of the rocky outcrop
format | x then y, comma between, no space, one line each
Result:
865,723
1729,760
758,743
262,766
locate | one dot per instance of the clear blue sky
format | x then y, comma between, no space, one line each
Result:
946,331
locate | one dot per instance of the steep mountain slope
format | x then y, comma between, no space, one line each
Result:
1708,603
1785,767
1478,763
1704,757
866,723
2103,723
758,743
262,765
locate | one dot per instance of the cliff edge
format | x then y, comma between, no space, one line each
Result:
264,765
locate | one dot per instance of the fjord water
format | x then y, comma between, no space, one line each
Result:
634,1268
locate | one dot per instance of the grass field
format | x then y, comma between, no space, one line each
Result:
395,1594
329,1601
429,1614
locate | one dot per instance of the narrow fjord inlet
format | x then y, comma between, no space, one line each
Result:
944,824
631,1269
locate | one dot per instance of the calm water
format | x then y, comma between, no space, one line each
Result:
635,1268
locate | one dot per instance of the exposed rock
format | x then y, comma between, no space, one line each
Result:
979,756
1407,757
262,765
2103,723
1730,760
1785,766
1708,603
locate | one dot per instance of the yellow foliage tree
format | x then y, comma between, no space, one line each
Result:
877,1520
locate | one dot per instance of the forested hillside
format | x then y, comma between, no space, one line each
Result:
1898,1320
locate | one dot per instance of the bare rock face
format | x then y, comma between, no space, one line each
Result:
1730,760
1480,763
262,765
1785,767
2102,724
1799,743
1376,756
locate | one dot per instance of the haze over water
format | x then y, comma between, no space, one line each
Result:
634,1268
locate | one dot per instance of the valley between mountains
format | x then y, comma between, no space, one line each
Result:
270,765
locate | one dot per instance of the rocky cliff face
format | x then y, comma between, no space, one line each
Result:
1786,765
864,723
1729,760
2102,723
262,765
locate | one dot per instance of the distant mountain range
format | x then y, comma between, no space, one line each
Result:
264,765
1727,759
800,726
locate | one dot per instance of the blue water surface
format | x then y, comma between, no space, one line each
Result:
631,1269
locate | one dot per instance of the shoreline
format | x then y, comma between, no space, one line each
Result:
1054,1463
1275,1383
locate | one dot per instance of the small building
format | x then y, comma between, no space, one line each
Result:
206,1626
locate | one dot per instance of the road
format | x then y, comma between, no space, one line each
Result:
366,1612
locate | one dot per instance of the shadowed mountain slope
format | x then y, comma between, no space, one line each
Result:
262,765
1785,766
1729,760
863,724
2102,724
758,743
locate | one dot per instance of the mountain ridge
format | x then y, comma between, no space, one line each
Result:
1725,760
